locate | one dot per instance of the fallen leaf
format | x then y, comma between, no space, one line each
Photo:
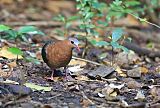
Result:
9,82
120,72
144,70
56,6
82,77
116,86
12,64
6,1
113,94
7,54
75,68
74,62
128,21
37,87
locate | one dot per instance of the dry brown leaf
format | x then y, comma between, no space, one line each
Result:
82,77
74,62
12,64
6,1
128,21
56,6
5,53
144,70
85,103
120,72
113,94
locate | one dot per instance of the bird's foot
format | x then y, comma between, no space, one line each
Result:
49,78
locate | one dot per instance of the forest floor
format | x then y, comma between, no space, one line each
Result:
132,81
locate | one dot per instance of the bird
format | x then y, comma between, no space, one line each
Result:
58,54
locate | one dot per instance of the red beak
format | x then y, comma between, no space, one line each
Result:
78,48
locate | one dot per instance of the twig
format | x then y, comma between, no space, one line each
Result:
38,23
35,23
95,63
141,19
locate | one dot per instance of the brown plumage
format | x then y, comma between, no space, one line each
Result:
59,54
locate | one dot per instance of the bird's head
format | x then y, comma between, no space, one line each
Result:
74,43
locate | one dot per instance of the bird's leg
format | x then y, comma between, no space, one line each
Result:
52,74
65,70
51,77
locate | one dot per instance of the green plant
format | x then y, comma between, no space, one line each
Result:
9,33
119,8
88,10
117,35
66,23
17,51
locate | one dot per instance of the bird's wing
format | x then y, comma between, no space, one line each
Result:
44,51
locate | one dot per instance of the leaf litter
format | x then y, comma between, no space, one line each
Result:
134,82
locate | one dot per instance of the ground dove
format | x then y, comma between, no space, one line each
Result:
59,54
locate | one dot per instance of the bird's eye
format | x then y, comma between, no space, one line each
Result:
72,42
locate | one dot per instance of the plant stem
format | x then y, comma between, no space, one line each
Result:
144,20
112,57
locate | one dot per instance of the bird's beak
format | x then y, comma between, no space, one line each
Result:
77,47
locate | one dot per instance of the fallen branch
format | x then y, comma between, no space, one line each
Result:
39,23
92,62
36,23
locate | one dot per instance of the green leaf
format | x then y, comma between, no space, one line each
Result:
132,3
59,32
90,26
73,18
11,34
115,14
33,60
93,42
102,23
102,56
143,19
4,28
115,44
117,2
117,34
37,87
102,43
89,15
94,33
30,30
124,49
59,18
128,10
15,50
97,5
